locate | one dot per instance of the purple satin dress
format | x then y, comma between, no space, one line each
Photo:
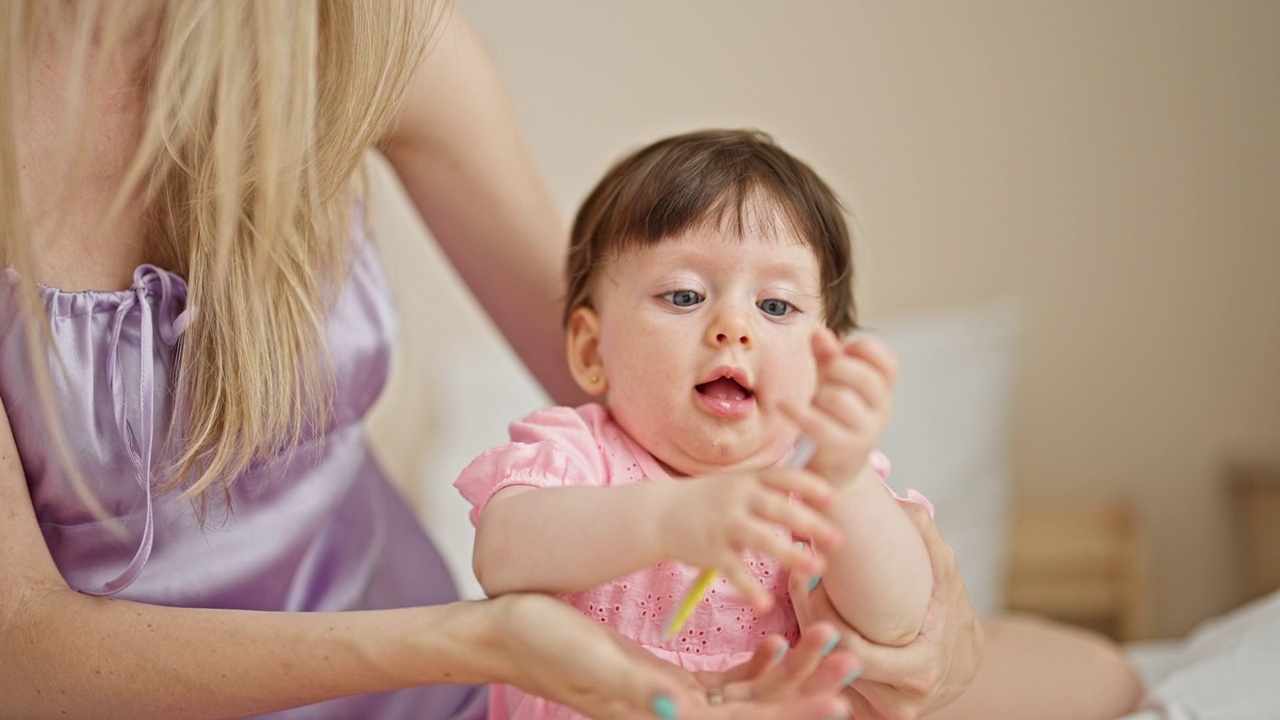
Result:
322,530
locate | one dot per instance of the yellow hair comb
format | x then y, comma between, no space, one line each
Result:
800,457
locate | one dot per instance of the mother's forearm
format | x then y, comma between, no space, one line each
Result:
64,654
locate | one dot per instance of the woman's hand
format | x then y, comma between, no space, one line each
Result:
905,683
709,522
551,650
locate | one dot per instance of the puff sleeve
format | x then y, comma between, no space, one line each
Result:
549,448
880,462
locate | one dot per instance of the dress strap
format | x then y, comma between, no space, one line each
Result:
138,428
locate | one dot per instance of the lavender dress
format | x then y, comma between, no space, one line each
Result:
321,531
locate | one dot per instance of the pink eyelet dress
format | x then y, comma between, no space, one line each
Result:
323,530
583,446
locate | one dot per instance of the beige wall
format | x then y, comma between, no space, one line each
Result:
1114,166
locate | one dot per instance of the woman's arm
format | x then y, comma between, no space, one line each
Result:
459,151
66,653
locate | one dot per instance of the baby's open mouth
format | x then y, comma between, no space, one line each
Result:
724,389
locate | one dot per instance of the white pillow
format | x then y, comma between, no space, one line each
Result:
949,437
1225,669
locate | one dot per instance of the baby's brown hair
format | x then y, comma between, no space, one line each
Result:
708,177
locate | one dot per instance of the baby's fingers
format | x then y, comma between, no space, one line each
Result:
764,540
810,487
826,347
738,576
876,352
802,520
868,381
827,434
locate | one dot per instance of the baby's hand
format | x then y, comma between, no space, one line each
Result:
709,522
852,406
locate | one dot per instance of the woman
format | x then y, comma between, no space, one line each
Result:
182,453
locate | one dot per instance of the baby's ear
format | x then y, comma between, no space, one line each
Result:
583,346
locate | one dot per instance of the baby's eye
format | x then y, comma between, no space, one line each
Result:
774,307
683,298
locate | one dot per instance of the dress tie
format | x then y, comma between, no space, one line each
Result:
168,318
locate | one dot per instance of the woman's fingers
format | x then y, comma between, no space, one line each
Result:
814,665
770,651
558,653
753,690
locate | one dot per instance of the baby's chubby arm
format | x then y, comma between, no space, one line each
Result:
566,539
879,579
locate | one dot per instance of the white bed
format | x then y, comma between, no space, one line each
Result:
1228,668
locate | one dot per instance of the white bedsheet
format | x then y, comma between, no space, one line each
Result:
1228,668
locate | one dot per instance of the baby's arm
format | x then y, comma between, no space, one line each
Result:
879,578
566,539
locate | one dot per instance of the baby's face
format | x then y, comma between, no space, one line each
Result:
701,335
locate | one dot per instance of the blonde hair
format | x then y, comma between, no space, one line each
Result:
258,117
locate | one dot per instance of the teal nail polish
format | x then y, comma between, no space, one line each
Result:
664,707
851,677
831,645
813,582
781,652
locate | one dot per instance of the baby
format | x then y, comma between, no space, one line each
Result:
710,275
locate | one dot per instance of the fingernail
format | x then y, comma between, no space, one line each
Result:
851,677
831,645
664,707
781,652
799,545
813,582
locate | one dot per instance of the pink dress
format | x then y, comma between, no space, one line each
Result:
583,446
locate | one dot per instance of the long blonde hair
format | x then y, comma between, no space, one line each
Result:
258,116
